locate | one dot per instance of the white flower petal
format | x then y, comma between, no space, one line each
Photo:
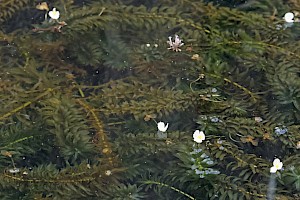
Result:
162,127
273,170
278,166
277,163
14,170
54,14
289,17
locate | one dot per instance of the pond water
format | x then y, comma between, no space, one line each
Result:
129,99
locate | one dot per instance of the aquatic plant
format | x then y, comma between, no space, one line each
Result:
82,91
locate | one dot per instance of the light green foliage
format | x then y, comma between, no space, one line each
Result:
80,98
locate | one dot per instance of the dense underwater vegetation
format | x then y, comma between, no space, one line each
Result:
82,94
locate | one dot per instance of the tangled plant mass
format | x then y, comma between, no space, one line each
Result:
83,85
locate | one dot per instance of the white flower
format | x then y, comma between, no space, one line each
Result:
108,172
14,170
54,14
277,165
289,17
198,136
176,44
162,127
258,119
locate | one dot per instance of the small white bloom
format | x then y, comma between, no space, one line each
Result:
108,172
148,45
289,17
54,14
162,127
198,136
277,165
176,44
14,170
273,170
258,119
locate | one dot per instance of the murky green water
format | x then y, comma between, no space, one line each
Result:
149,99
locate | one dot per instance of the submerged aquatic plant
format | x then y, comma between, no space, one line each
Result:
79,97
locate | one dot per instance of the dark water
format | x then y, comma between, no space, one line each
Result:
149,99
